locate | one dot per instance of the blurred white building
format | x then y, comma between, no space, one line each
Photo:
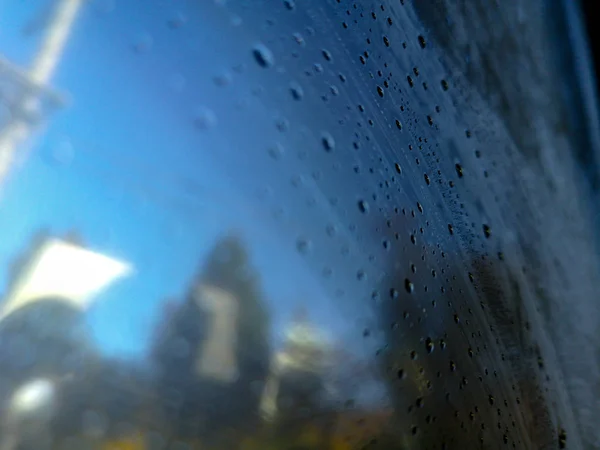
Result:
57,268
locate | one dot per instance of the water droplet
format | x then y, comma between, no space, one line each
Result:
297,91
422,41
409,286
386,41
363,206
459,170
326,55
487,231
398,124
204,118
143,43
282,124
222,79
276,151
289,4
444,84
263,56
361,275
328,142
429,345
176,21
380,91
299,39
303,245
427,180
562,439
450,228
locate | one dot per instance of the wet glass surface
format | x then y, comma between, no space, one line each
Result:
295,225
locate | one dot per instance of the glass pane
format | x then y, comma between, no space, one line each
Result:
234,224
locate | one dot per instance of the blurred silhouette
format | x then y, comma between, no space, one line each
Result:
213,380
211,354
54,382
43,346
45,338
297,400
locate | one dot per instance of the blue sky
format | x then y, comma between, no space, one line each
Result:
123,164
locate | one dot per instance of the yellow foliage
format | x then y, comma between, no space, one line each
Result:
132,443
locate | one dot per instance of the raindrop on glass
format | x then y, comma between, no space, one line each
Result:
363,206
204,118
263,56
297,91
303,245
328,142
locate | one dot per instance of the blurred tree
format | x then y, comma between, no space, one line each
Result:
298,400
47,337
212,354
44,347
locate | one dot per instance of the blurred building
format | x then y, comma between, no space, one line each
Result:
211,353
49,286
46,349
297,380
61,269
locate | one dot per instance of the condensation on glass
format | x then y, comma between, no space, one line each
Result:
293,224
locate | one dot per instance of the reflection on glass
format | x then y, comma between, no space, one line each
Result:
61,269
212,379
225,226
147,327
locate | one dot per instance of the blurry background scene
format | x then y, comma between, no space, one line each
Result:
241,224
